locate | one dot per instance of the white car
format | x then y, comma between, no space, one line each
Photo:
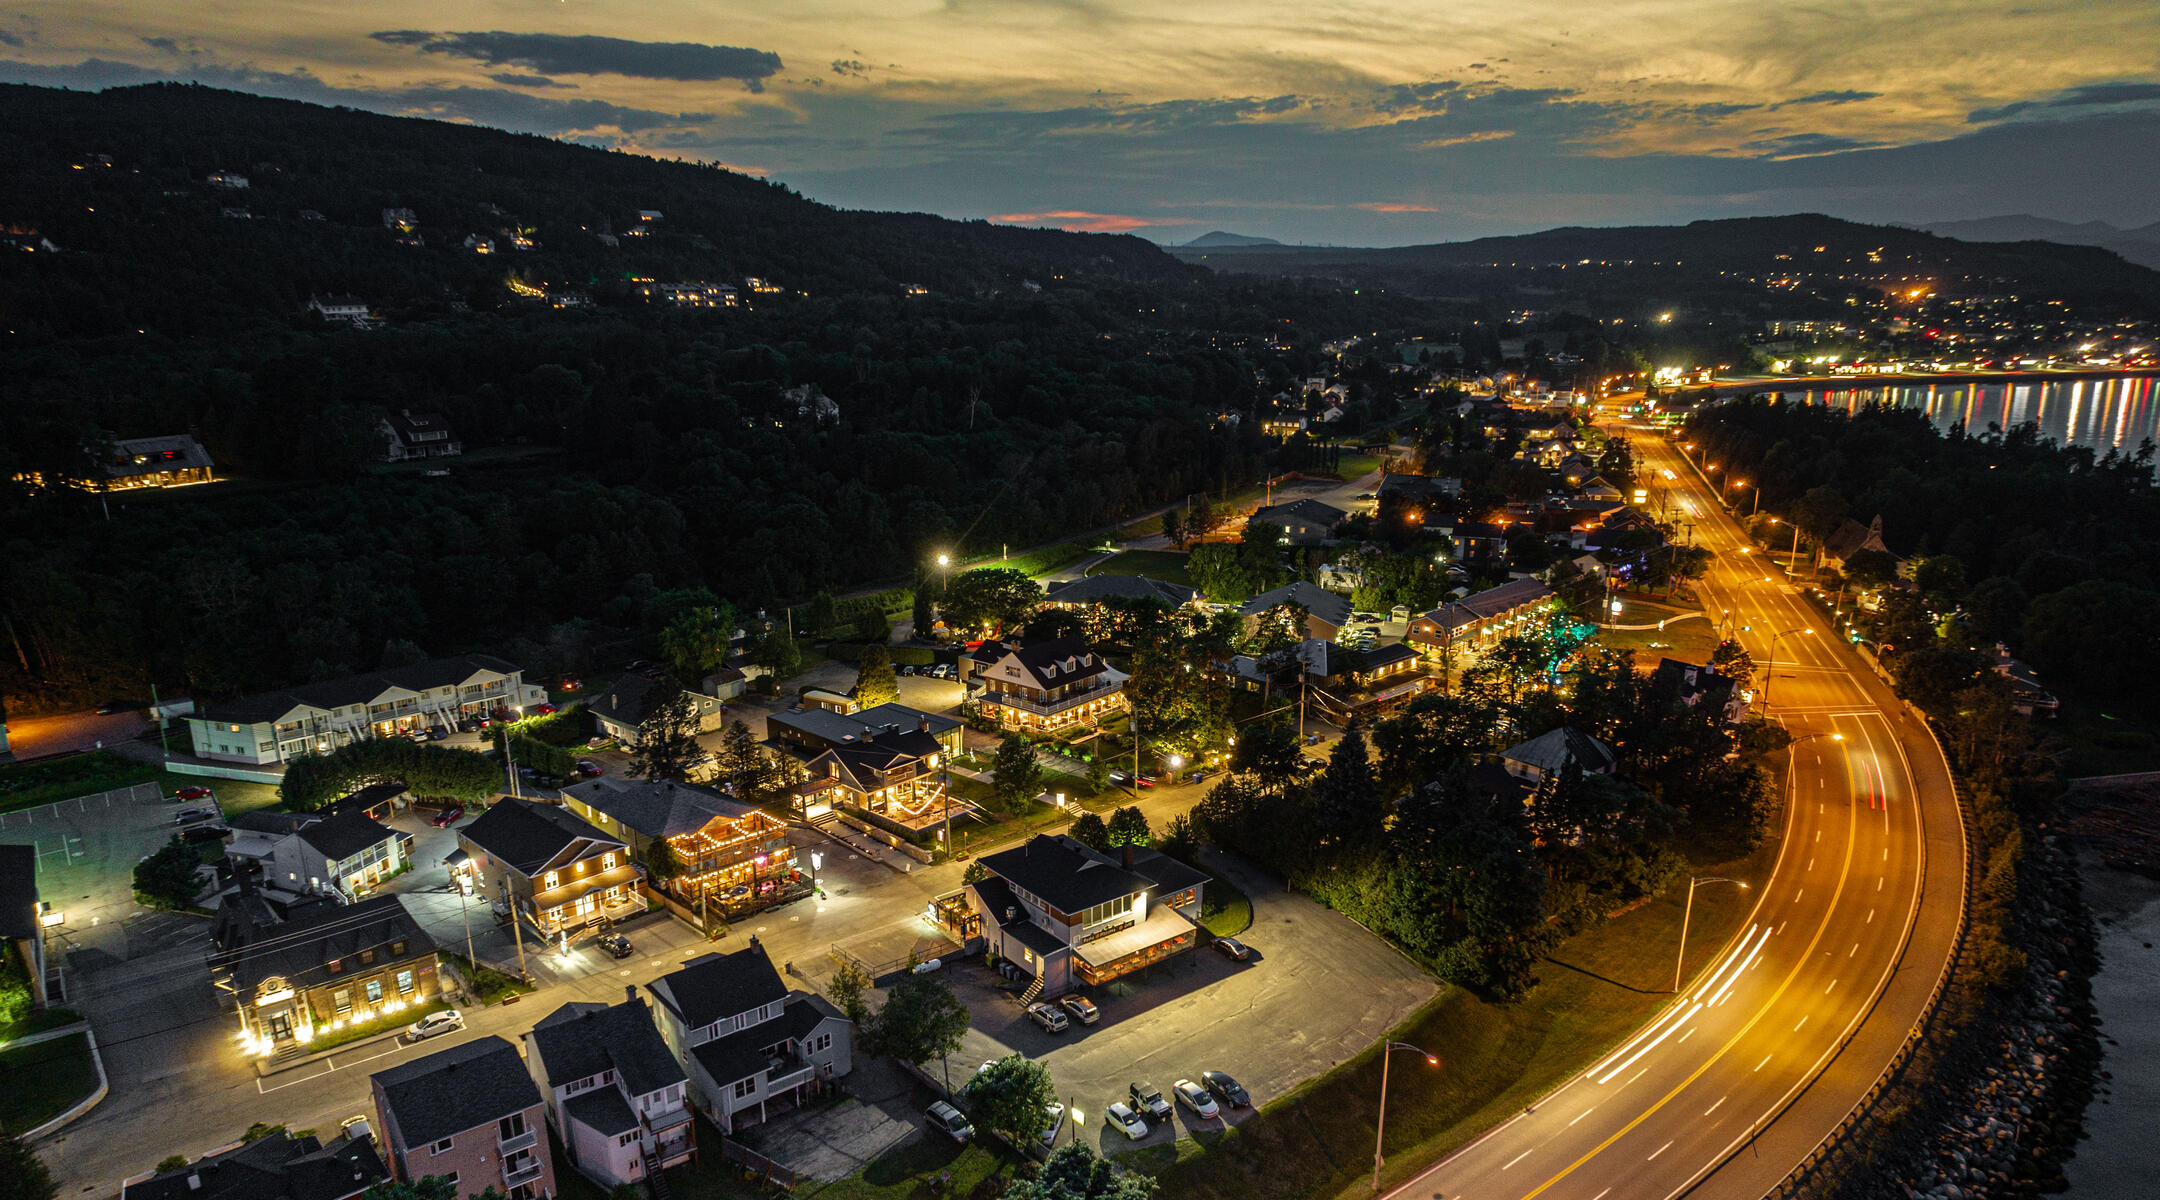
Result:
1048,1016
1121,1117
434,1023
1057,1122
1196,1098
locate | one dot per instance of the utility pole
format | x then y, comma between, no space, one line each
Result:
516,931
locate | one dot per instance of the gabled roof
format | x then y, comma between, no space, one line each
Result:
625,700
172,452
1168,874
1482,605
276,1166
1551,752
526,836
300,950
1097,588
1305,511
1064,874
408,425
357,689
342,835
580,1040
1852,537
739,1055
1330,607
1418,487
442,1094
1693,684
1385,656
997,899
657,810
720,986
847,729
1056,662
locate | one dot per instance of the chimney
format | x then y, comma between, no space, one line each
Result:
1128,856
630,992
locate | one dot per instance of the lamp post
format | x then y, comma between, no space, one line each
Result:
1770,662
1380,1125
817,862
1792,564
1687,913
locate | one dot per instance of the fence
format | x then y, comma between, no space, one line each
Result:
1804,1179
216,771
859,824
757,1164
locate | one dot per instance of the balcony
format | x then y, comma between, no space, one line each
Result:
787,1071
1051,708
519,1175
524,1141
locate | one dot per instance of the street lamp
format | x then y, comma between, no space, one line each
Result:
1770,663
1380,1126
817,862
1693,883
1792,566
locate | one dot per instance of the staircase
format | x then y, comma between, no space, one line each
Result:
653,1178
1035,989
289,1050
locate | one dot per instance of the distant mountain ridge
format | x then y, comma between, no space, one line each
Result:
1221,238
2140,245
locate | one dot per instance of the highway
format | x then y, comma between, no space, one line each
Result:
1779,1033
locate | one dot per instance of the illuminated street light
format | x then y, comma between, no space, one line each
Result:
1693,883
1380,1126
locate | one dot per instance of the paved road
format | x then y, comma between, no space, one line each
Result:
1778,1033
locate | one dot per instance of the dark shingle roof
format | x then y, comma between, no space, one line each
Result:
300,949
1320,602
345,834
356,689
1063,873
741,1054
603,1110
656,810
1097,588
1168,874
625,700
1310,512
445,1093
18,892
525,835
1385,656
1692,684
723,985
1552,751
276,1166
578,1040
167,452
844,729
1057,662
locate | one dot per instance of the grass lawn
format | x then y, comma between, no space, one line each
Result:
353,1031
1228,910
913,1167
1035,563
1166,565
1691,639
27,785
1316,1142
38,1022
41,1081
1356,466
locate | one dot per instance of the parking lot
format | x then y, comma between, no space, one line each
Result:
1318,990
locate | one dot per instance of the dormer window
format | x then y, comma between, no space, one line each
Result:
607,861
333,966
551,880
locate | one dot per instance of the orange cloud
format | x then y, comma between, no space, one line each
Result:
1077,221
1390,206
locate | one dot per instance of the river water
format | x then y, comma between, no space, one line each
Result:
2104,414
2121,1158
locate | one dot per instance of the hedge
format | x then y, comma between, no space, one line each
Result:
318,779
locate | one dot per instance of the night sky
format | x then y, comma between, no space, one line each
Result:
1377,123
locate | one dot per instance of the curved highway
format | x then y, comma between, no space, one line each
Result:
1780,1032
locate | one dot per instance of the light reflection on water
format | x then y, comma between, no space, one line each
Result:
2101,413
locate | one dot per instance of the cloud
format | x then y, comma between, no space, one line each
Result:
1391,206
1082,222
10,39
851,66
2091,95
513,79
584,54
1798,145
1828,98
1466,139
163,45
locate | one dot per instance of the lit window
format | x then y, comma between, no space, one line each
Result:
374,991
551,879
404,983
607,861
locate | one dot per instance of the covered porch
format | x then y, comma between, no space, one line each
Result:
1165,934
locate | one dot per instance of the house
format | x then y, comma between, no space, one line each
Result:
623,706
1418,490
1549,754
1596,488
327,967
1303,522
402,220
648,214
1076,916
1473,541
614,1092
274,727
1344,684
229,180
347,853
811,403
479,243
1049,685
1325,612
22,928
276,1166
1851,539
746,1041
339,307
808,732
728,850
470,1113
1106,589
725,684
2027,695
888,769
1479,619
1699,687
172,460
408,435
548,866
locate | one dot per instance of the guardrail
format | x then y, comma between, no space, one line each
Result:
1804,1177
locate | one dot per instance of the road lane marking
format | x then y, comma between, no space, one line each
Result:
1828,986
1855,950
1584,1113
1637,1075
1797,895
1518,1158
1660,1150
1713,1108
1765,1062
1878,885
1818,835
1796,1028
1811,864
1870,917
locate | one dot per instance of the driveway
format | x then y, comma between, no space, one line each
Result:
1294,1015
37,737
87,849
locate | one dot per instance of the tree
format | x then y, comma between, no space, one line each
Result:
823,616
667,737
922,1019
1179,840
742,760
848,990
1075,1172
1269,751
1013,1096
695,642
1732,660
1017,774
990,598
1346,798
661,861
2097,633
1128,827
23,1175
1098,774
427,1187
1173,529
777,652
924,610
1088,830
166,879
875,682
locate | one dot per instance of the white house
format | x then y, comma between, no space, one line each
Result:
346,852
408,435
272,727
338,307
747,1042
615,1095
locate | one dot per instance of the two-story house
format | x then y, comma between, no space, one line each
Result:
1326,612
1478,620
1303,522
277,1166
408,435
1049,685
347,852
746,1040
728,850
1701,688
1551,753
883,761
619,709
329,967
470,1114
615,1094
275,727
1072,915
555,870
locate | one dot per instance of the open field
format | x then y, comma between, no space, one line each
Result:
1166,565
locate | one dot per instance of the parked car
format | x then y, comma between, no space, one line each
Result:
591,769
542,710
947,1120
447,817
1121,1117
1233,949
1057,1122
433,1024
192,793
1196,1098
1312,739
189,816
907,670
617,946
1225,1089
357,1129
1082,1009
1148,1099
1146,781
1048,1016
202,834
637,664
